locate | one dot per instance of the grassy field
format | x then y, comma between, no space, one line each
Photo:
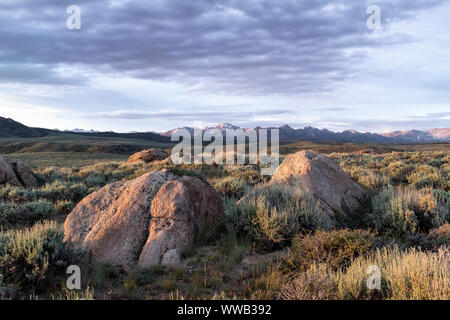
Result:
76,143
265,250
37,160
327,147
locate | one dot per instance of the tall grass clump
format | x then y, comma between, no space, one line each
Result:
273,214
409,275
404,211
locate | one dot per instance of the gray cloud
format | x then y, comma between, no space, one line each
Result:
230,115
225,46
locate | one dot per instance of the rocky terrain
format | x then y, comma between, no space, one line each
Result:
156,230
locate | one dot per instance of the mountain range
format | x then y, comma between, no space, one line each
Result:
289,134
13,129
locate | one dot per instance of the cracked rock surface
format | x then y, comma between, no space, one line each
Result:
149,220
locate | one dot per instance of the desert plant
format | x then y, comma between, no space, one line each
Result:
404,211
404,275
30,256
273,214
336,249
398,171
409,275
425,176
64,207
367,178
231,187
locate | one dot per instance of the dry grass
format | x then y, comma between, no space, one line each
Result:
405,275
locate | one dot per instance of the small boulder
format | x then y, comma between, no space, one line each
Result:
25,175
148,156
324,179
16,174
7,174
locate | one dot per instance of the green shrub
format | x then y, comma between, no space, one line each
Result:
64,207
42,209
398,171
425,176
404,211
433,241
440,236
336,249
7,212
367,178
31,256
231,187
95,179
273,214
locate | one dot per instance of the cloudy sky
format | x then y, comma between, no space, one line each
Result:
158,64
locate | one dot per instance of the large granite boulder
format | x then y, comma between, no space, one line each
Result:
149,220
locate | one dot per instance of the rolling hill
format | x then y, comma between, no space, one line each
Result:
16,137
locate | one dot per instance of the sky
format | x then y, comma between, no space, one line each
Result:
155,65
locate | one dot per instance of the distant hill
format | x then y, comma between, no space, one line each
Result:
13,129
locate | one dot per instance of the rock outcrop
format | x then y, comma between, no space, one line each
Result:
16,174
148,156
324,179
149,220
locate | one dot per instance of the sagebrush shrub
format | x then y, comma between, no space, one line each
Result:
398,171
42,209
404,211
64,207
336,249
273,214
425,176
231,187
367,178
28,257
